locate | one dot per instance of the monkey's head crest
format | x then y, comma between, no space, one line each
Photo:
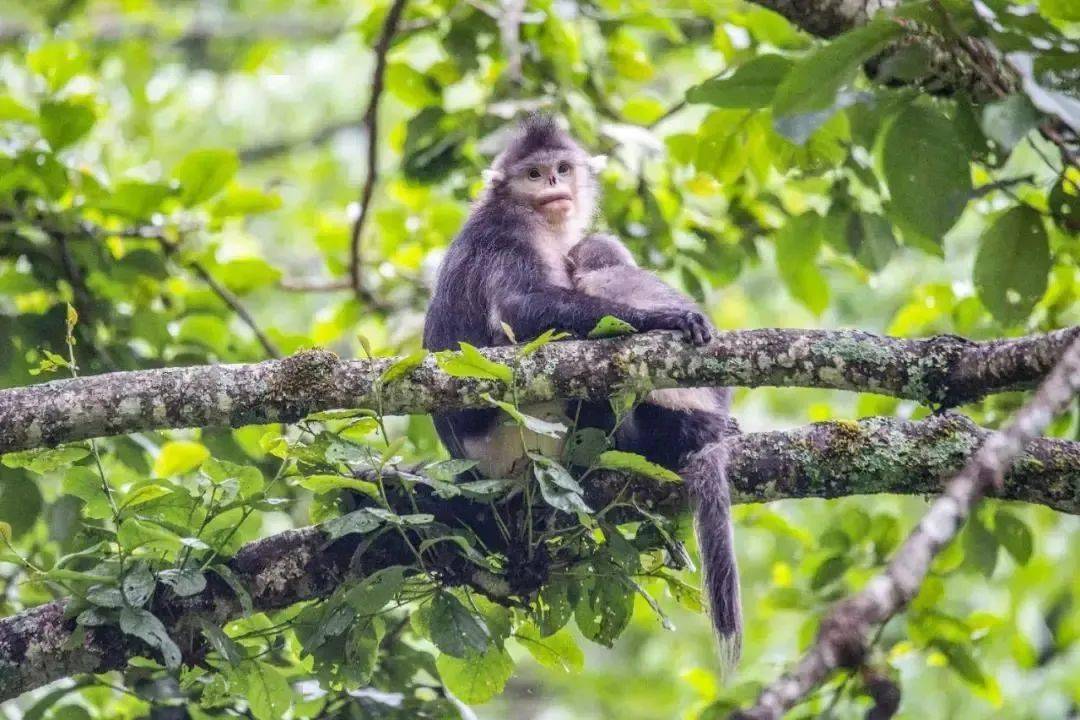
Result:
545,169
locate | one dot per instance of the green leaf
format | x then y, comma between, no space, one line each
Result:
548,336
244,275
752,85
455,629
145,626
553,608
1008,121
222,643
1014,535
632,462
1013,265
5,533
603,609
535,424
585,445
320,484
557,651
980,547
478,678
203,173
961,661
812,84
870,240
610,326
135,200
403,367
178,457
558,487
830,570
269,695
376,590
12,109
143,495
63,123
138,584
359,521
926,169
184,581
45,460
239,200
470,363
797,245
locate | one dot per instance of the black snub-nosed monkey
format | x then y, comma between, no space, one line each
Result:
509,265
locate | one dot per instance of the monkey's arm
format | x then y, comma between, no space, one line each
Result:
532,312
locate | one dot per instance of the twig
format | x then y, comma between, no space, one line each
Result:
82,300
1003,184
842,640
371,120
227,297
273,148
510,35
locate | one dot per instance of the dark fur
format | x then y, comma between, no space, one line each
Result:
493,266
681,430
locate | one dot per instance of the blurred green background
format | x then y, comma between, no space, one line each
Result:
233,130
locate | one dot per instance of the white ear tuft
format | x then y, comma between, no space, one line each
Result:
597,163
492,176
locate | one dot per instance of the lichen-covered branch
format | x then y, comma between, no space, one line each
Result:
945,370
878,455
844,637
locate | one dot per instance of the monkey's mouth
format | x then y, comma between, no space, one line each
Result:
555,197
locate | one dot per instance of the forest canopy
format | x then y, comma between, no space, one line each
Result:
221,493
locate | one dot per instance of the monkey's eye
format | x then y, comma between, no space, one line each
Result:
564,168
534,173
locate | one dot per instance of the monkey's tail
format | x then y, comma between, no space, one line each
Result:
705,474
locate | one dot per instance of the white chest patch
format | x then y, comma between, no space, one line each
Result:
501,452
552,245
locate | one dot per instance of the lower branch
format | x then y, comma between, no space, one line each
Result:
822,460
844,638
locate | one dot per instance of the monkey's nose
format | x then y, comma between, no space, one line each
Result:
553,180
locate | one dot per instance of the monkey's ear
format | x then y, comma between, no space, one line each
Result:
492,176
597,163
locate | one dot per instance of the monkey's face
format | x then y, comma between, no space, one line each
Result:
549,184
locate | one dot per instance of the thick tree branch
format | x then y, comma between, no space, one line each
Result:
843,639
823,460
944,370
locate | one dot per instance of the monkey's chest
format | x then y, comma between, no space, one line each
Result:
503,450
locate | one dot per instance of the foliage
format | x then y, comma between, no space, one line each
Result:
168,171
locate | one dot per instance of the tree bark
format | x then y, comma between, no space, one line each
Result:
824,460
945,370
844,638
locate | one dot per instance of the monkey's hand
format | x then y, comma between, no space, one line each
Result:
690,323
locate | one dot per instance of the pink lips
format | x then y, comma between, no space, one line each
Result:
548,199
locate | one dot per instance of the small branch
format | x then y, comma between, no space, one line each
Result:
822,460
944,370
845,631
112,29
273,148
236,306
371,124
510,35
83,301
227,297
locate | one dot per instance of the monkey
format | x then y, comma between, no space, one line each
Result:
507,265
680,429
